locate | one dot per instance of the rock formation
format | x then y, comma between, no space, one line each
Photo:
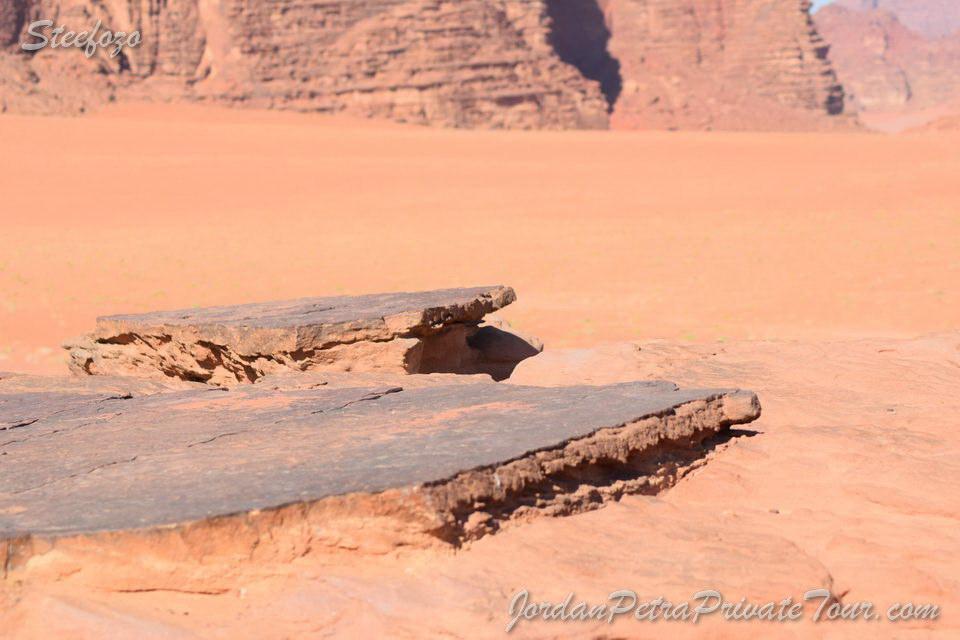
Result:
428,332
334,431
930,18
887,66
726,64
463,63
442,462
867,414
473,63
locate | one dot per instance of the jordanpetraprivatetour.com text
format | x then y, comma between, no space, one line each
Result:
818,605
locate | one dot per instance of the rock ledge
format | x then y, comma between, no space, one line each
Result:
425,332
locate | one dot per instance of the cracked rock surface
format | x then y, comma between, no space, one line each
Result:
424,332
849,482
447,462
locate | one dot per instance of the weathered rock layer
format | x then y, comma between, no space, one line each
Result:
433,463
427,332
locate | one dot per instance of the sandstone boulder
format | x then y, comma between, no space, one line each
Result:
426,332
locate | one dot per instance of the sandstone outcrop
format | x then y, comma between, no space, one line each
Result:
426,332
446,462
888,67
464,63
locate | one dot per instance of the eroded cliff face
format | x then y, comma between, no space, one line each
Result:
476,63
471,64
930,18
463,63
889,67
721,63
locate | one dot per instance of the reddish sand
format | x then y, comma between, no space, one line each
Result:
606,236
833,250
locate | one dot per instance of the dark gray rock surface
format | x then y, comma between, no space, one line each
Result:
430,308
85,462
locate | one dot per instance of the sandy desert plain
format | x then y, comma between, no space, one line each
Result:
821,271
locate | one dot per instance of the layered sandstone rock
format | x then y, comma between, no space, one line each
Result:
474,63
464,63
50,82
427,332
445,462
477,63
725,64
888,67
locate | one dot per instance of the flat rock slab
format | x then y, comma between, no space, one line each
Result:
421,332
12,383
88,462
390,313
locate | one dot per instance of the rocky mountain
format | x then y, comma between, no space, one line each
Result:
887,66
462,63
930,18
720,63
465,63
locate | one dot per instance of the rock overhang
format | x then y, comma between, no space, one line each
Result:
415,332
336,412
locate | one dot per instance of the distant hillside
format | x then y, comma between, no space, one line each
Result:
930,18
886,66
